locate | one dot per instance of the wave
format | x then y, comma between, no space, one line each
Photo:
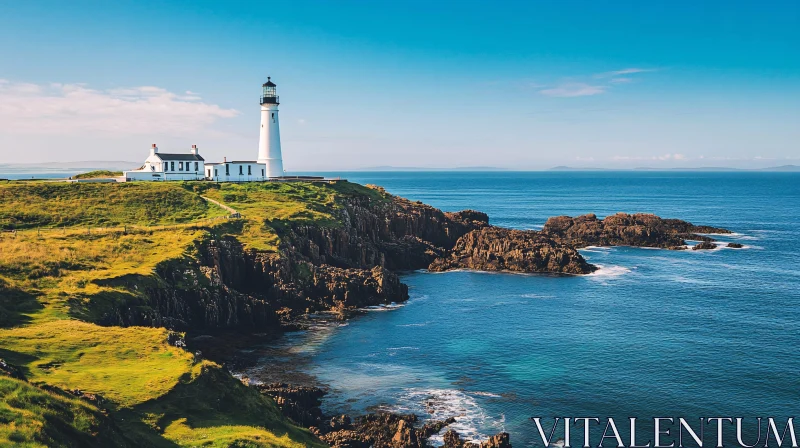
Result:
536,296
389,307
438,404
412,325
609,271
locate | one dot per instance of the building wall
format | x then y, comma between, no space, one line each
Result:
269,144
155,169
156,176
218,173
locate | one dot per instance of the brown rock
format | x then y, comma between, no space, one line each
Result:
704,245
622,229
735,245
499,249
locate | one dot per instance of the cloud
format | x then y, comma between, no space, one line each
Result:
620,80
574,89
624,71
75,108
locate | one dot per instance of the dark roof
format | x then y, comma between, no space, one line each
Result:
167,156
269,83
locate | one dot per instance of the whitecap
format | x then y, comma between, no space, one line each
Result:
486,394
443,403
536,296
609,271
389,307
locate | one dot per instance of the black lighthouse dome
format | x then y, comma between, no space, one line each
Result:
269,94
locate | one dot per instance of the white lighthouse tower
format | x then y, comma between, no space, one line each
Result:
269,144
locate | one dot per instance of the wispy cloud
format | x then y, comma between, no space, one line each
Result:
620,80
573,89
74,108
624,71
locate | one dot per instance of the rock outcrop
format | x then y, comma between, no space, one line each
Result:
498,249
735,245
622,229
299,403
704,245
453,440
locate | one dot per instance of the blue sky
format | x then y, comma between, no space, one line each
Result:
525,85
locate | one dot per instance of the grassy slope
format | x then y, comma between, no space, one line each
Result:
153,390
98,174
32,417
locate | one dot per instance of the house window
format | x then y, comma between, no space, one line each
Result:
215,173
262,172
227,170
196,166
172,166
180,166
240,170
248,170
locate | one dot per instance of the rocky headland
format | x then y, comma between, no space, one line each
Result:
341,249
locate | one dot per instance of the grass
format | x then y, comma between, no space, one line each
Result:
125,365
268,206
60,204
54,269
32,417
98,174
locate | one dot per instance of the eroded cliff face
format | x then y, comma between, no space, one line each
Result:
319,268
498,249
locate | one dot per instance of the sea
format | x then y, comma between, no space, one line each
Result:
653,333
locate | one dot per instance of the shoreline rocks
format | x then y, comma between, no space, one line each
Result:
499,249
622,229
301,404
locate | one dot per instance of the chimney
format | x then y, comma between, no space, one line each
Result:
194,149
153,149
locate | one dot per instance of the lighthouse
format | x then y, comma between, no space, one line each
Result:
269,143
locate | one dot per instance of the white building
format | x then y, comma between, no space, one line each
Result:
162,166
236,171
269,143
169,166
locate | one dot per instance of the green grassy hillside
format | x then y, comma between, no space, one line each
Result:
73,244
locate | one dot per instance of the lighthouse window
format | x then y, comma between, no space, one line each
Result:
273,117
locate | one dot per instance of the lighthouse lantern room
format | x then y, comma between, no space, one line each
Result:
269,144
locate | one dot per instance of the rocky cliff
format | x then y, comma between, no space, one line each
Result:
498,249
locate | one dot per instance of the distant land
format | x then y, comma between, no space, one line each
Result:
703,168
416,168
68,166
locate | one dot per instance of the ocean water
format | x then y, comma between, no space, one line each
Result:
654,333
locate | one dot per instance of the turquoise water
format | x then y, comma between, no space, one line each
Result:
654,333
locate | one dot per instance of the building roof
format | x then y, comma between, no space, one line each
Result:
234,161
167,156
269,82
